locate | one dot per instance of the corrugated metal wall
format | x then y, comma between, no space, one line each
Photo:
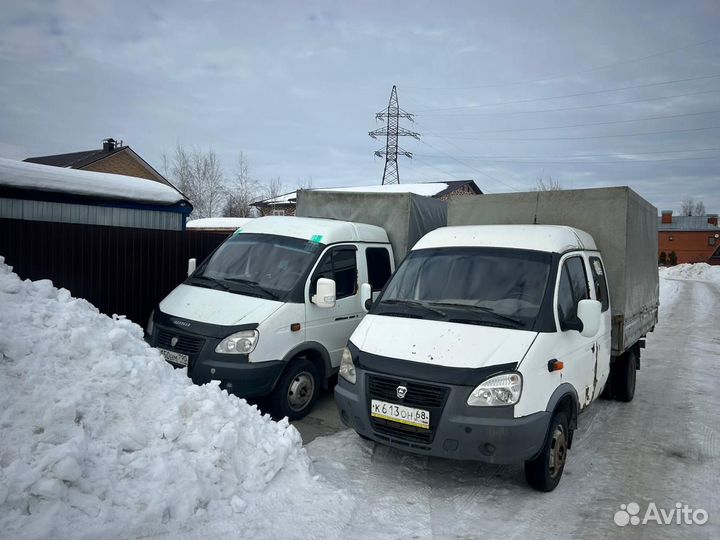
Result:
90,215
120,270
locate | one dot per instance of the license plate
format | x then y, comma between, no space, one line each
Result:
400,413
174,357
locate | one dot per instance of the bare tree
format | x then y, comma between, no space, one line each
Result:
199,175
242,192
273,188
548,183
305,184
691,208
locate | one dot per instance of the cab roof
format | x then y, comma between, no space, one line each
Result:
324,231
549,238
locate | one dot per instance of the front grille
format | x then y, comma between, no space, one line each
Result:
418,395
423,396
387,428
186,344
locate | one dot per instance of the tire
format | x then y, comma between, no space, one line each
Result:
297,390
624,375
543,472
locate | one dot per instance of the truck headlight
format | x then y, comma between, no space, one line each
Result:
503,389
347,368
150,324
238,343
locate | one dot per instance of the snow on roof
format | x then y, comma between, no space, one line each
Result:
217,223
23,175
426,189
102,438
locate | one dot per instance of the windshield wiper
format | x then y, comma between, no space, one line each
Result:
271,294
414,303
211,283
483,309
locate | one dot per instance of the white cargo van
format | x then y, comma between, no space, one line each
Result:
270,311
489,340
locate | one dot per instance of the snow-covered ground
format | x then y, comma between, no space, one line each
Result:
100,438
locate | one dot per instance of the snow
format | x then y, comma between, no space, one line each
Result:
102,438
19,174
429,189
697,271
217,223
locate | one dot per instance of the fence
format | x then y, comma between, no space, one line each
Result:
118,269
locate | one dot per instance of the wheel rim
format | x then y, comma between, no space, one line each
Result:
558,451
301,391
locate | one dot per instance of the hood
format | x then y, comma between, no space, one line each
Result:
217,307
441,343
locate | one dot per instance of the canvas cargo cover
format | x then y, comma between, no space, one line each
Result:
406,217
623,224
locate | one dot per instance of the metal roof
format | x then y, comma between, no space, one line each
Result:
687,223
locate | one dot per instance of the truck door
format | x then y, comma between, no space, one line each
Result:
332,327
575,351
603,341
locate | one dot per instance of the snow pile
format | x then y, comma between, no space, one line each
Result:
102,438
698,271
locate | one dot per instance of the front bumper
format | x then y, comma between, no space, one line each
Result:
236,373
456,431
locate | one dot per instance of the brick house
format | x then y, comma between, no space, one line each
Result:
284,205
113,158
692,238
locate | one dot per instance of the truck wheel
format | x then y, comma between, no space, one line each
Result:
297,390
624,373
544,471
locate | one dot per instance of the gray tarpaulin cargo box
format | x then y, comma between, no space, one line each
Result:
624,226
406,217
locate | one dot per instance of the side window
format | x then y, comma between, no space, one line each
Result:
573,288
338,264
378,264
578,278
566,302
599,282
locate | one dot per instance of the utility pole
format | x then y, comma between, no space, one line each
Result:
392,131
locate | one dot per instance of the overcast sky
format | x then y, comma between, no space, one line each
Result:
495,87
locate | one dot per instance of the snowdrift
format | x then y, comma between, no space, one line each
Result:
102,438
699,271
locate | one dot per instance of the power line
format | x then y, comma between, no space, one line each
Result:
427,134
588,162
580,107
588,124
577,94
547,78
470,166
614,154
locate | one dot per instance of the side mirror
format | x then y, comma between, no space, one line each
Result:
192,264
324,296
589,312
366,296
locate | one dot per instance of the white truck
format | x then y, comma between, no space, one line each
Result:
489,340
269,312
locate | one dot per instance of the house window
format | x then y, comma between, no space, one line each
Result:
712,240
278,212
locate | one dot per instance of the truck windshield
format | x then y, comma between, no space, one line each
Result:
262,265
485,286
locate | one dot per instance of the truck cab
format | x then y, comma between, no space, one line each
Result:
270,310
485,345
